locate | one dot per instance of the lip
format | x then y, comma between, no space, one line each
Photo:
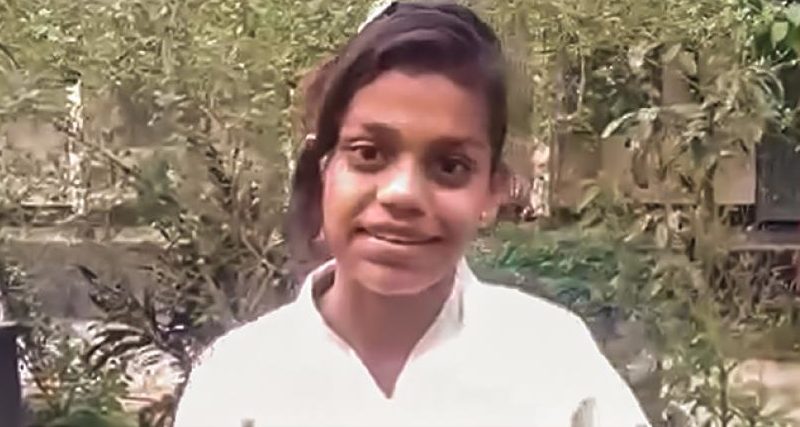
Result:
398,235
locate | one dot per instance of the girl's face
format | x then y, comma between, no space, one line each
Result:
405,188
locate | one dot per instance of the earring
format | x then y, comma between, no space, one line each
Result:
310,140
323,162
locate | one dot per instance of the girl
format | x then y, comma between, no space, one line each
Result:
394,329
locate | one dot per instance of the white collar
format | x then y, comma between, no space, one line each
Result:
448,323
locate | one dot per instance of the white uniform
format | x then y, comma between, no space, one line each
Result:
494,357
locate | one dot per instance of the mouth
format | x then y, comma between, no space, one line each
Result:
398,237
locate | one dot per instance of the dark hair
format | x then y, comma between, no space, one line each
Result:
419,37
312,90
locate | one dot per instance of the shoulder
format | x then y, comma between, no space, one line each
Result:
230,371
513,310
274,330
239,356
531,328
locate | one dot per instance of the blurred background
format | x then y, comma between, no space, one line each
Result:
146,145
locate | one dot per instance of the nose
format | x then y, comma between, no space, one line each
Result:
403,192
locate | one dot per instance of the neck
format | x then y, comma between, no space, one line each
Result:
378,325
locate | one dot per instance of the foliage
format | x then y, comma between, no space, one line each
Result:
68,392
179,116
89,417
689,88
776,29
569,270
709,303
575,52
607,279
67,386
160,413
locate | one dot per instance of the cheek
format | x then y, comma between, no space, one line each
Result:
460,211
343,194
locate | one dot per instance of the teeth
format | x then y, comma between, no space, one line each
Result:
396,240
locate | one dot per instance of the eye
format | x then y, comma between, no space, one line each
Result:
367,153
452,170
452,166
365,156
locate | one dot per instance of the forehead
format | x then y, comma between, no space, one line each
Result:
422,107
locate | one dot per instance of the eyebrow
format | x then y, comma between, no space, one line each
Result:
383,131
392,134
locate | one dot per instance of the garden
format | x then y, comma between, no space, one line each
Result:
146,148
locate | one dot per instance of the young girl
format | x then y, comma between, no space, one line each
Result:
394,329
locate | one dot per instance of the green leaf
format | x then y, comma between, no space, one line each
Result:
779,32
637,55
793,40
687,63
671,53
793,14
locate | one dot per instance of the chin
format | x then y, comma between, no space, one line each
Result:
396,281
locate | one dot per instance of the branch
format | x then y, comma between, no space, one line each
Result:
7,52
581,90
105,152
582,86
262,257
